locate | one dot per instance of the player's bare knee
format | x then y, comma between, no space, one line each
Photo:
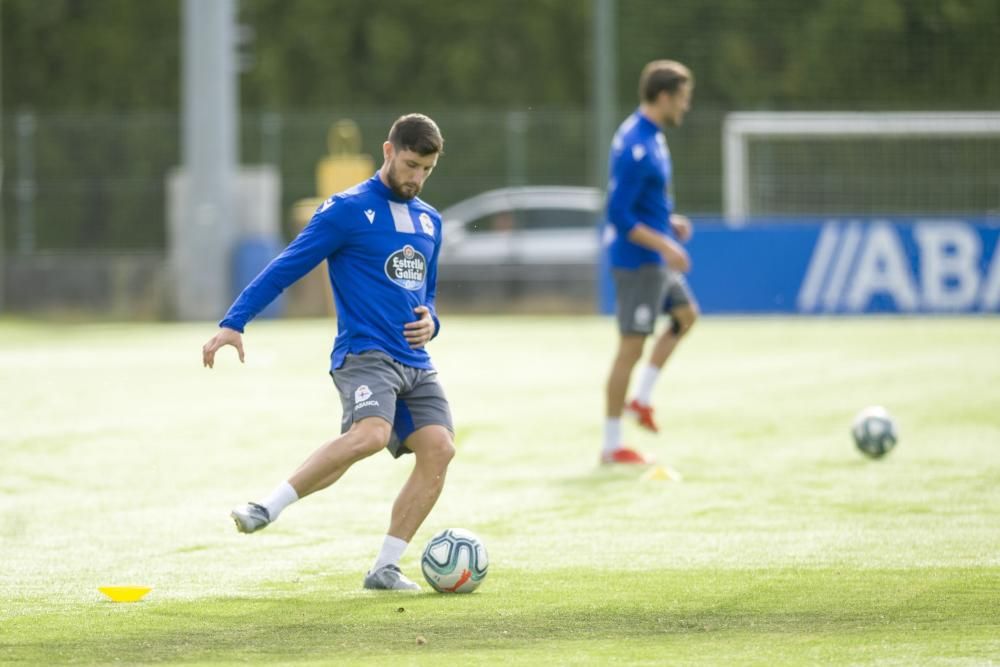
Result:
437,452
363,447
370,436
446,451
695,314
681,324
441,451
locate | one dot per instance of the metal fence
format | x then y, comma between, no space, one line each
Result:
96,182
84,199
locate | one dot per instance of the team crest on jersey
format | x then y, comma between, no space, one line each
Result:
427,224
406,267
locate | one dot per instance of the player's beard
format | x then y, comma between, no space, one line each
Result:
675,119
399,188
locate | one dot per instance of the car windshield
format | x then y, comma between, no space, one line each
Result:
532,220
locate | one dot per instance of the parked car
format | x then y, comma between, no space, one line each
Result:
533,247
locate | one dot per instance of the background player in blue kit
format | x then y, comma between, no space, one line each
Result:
381,243
646,262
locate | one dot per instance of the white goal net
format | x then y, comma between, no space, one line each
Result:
804,164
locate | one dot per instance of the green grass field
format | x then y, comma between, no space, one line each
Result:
121,457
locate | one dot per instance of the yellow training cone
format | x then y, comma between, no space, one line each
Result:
662,473
125,593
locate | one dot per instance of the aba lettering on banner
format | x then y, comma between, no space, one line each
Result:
848,266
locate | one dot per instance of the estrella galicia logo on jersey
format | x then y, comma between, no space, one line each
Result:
427,224
406,267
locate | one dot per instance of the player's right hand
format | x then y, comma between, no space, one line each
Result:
221,339
681,224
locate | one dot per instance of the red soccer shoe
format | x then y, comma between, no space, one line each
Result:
626,455
644,414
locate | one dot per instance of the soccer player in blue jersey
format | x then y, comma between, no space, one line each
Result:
381,244
647,262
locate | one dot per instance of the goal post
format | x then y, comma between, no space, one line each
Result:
820,163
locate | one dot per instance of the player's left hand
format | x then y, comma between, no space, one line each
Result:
418,333
681,225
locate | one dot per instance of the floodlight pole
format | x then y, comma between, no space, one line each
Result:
204,239
3,246
604,96
604,100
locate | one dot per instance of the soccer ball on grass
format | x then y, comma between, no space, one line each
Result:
454,561
874,432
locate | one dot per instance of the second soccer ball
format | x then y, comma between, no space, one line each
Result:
874,432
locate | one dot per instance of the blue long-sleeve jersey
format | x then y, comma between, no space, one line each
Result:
382,254
638,189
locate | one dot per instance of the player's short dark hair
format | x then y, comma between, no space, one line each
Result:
662,76
418,133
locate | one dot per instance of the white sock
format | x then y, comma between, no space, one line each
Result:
392,551
612,433
283,496
647,380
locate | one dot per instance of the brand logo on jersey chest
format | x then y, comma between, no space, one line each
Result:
406,267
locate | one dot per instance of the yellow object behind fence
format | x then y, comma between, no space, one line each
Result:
343,167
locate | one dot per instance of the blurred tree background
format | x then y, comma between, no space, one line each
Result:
91,88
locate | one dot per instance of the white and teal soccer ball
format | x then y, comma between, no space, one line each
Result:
454,561
874,432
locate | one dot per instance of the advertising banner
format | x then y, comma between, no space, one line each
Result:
847,266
